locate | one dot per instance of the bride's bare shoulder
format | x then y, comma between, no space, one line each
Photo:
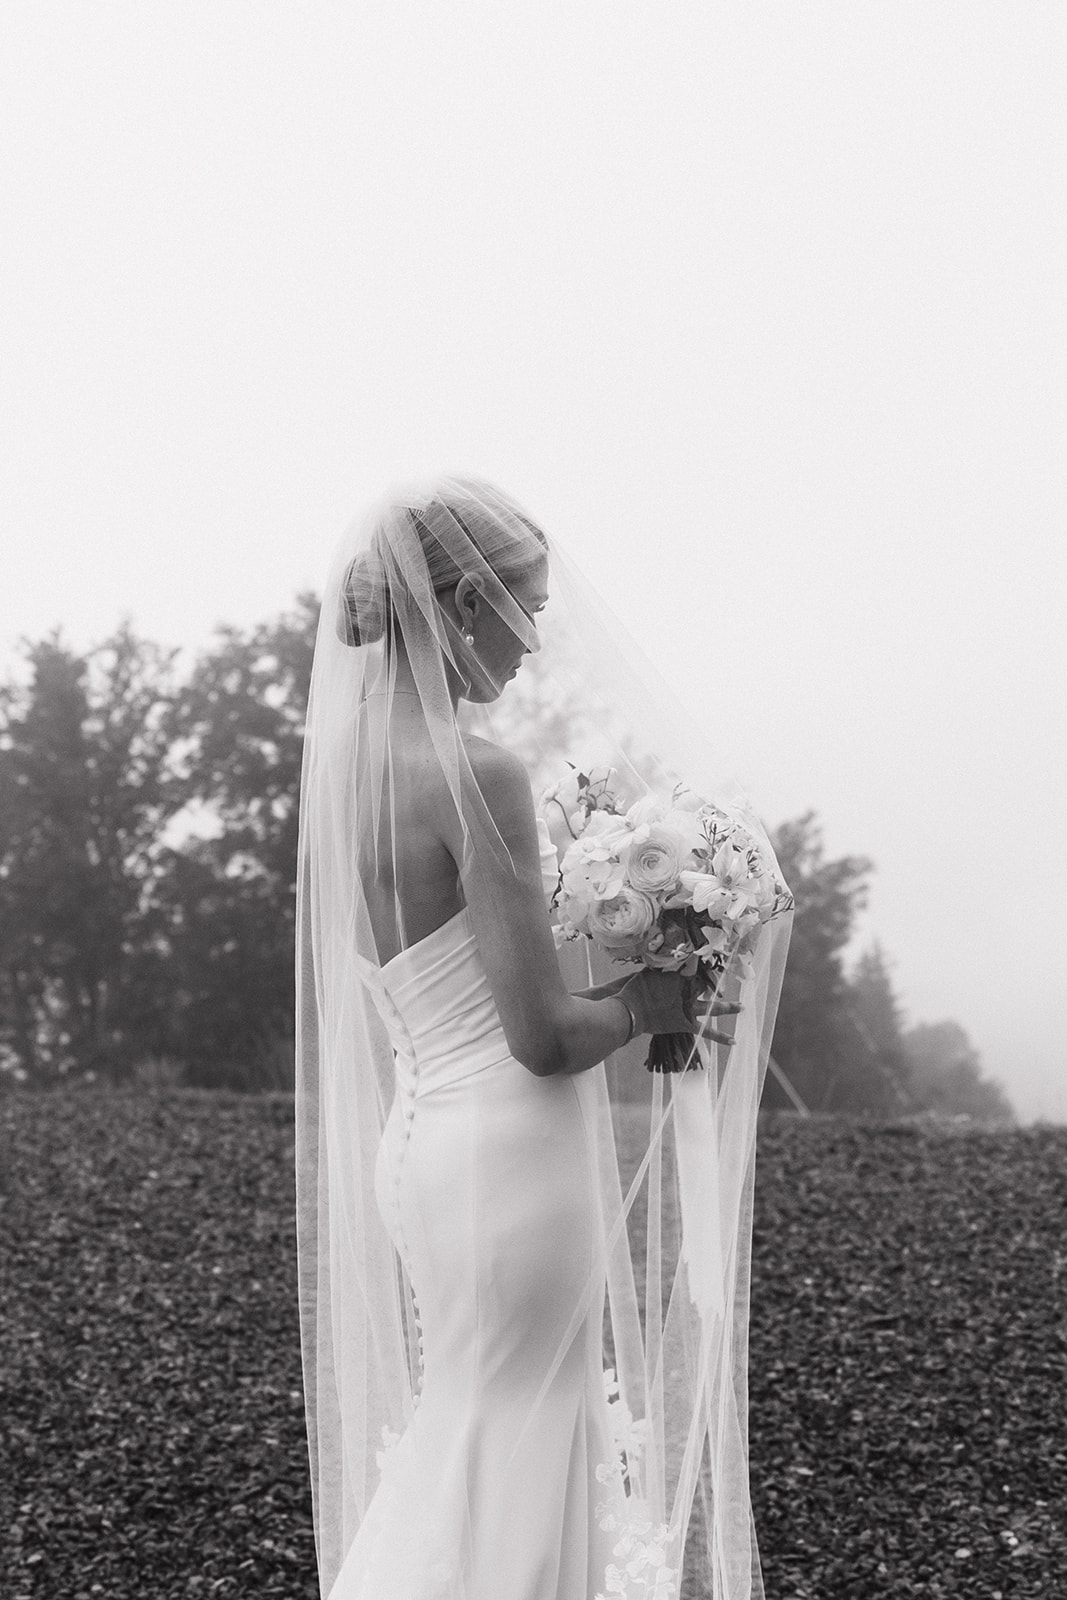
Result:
492,761
504,784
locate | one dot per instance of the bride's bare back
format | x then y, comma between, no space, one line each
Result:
414,869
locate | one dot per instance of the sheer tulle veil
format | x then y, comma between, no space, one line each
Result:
674,1154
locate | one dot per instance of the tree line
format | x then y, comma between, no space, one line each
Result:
148,827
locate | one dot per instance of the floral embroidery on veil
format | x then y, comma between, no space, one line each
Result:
643,1569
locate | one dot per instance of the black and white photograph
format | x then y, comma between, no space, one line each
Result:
533,860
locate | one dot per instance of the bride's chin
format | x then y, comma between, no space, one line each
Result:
484,694
486,689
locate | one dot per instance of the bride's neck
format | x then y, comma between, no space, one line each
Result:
405,679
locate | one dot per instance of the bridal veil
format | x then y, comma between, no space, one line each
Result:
674,1155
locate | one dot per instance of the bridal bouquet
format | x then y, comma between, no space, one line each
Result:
677,884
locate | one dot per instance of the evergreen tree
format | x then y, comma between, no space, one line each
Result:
815,1037
83,753
875,1015
238,730
945,1074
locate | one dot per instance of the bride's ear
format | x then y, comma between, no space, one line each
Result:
467,596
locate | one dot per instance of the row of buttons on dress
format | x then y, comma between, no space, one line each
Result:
406,1080
407,1090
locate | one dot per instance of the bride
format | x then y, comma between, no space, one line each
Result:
478,1427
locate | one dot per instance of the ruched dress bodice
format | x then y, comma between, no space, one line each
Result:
443,1022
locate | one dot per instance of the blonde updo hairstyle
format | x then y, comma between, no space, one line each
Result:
508,542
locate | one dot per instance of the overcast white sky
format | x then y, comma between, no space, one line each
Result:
760,307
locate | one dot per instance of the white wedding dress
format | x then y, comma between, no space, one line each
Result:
461,1223
487,1181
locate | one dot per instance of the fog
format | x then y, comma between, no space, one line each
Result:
760,309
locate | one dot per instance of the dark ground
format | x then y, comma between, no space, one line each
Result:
908,1356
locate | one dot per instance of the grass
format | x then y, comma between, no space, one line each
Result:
909,1334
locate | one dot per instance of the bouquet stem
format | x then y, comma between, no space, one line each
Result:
676,1052
673,1052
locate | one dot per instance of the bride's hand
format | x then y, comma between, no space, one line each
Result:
658,1002
601,991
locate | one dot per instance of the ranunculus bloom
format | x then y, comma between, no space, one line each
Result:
626,917
654,864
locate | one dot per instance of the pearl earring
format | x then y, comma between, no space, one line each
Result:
468,636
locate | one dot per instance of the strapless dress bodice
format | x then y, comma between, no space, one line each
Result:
443,1022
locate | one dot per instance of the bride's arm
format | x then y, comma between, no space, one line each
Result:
548,1030
599,990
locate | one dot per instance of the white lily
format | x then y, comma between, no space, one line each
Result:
706,892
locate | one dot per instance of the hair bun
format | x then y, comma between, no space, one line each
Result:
364,600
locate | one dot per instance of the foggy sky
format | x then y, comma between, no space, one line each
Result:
760,308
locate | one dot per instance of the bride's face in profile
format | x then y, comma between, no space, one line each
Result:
497,652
